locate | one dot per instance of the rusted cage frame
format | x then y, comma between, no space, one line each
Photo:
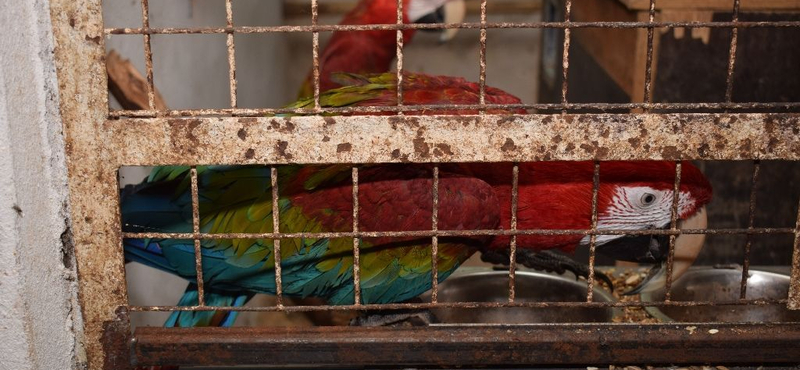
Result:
78,30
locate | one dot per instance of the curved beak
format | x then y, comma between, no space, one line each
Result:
453,11
687,247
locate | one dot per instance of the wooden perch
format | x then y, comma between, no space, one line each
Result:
127,85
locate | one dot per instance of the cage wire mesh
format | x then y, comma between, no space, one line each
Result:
476,132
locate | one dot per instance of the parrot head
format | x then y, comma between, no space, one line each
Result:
633,195
643,205
437,11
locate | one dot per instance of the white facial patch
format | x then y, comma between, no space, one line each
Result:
638,208
420,8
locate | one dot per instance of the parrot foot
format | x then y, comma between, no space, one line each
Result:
394,318
546,261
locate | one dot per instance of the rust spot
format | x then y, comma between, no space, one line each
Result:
508,145
703,150
605,132
72,22
242,134
635,141
329,121
344,147
289,127
95,39
746,146
326,139
250,153
281,149
588,148
421,147
670,152
396,153
570,147
505,119
274,124
444,148
557,139
771,144
248,120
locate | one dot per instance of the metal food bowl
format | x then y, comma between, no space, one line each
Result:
529,287
722,285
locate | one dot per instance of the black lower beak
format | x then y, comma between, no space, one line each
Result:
638,248
433,18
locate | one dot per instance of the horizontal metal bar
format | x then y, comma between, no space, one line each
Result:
425,139
260,112
436,26
471,305
449,233
545,344
300,8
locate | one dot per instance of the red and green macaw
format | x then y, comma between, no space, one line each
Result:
367,52
552,195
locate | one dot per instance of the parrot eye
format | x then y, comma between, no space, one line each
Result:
648,199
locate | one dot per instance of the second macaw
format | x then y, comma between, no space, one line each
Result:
366,52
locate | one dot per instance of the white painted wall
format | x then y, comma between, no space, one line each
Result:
39,314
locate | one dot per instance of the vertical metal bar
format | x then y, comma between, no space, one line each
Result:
482,78
356,242
751,220
649,64
231,52
593,235
148,56
732,53
315,51
435,239
565,55
673,226
794,284
512,255
399,56
276,243
198,253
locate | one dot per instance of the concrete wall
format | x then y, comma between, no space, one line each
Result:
39,313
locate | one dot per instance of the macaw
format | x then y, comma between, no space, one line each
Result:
367,52
552,195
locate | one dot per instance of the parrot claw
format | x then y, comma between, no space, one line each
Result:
395,318
546,261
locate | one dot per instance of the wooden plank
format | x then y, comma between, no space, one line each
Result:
726,5
614,49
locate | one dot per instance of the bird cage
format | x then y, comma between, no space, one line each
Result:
101,141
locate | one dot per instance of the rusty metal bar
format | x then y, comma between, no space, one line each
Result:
399,55
276,242
356,241
673,226
512,255
565,54
648,77
751,219
732,53
315,51
231,53
470,345
794,284
148,56
482,58
198,252
240,112
466,305
436,26
450,233
593,235
435,239
299,8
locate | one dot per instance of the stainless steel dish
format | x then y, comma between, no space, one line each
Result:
723,285
530,287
